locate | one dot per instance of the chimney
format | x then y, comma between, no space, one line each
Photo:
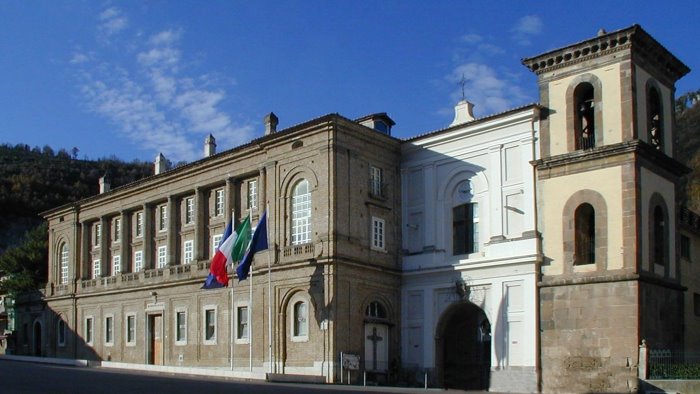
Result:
104,184
161,164
209,146
271,122
463,113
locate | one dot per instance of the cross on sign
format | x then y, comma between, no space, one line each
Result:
374,338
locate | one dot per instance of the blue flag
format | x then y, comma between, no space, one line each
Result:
257,243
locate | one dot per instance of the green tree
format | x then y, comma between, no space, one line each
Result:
24,267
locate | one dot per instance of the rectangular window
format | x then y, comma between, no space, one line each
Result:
219,203
181,327
209,325
215,241
162,218
89,328
187,252
109,330
130,329
252,194
685,247
139,224
98,234
162,255
378,233
116,265
376,181
96,269
465,229
117,230
242,326
189,211
138,261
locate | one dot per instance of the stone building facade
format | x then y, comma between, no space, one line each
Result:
531,250
126,266
607,183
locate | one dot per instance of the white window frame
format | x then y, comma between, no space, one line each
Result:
138,260
219,202
215,241
64,263
61,332
378,232
116,265
98,234
130,341
96,269
139,224
109,329
189,210
180,341
296,336
213,339
162,257
253,194
239,338
162,218
301,214
89,329
117,229
187,252
376,175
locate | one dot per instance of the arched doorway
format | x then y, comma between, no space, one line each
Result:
463,346
37,339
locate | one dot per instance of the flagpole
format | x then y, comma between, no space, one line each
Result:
250,297
232,322
269,294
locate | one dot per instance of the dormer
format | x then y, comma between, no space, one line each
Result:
380,122
614,88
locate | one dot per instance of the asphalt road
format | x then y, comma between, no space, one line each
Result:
25,377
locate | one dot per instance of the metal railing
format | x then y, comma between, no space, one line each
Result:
669,364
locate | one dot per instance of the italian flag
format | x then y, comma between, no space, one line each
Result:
231,248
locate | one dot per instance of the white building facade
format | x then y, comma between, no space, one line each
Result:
469,271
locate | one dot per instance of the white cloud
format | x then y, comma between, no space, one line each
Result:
112,21
488,89
153,100
527,27
79,58
471,38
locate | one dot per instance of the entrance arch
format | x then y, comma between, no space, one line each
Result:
463,348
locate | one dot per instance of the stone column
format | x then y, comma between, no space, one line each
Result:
148,229
104,247
201,214
172,236
262,190
229,200
125,241
84,259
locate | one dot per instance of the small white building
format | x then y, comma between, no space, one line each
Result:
469,271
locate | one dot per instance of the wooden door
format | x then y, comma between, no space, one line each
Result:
155,324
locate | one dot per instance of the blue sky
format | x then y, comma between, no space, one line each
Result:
135,78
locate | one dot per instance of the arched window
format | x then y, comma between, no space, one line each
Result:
61,332
375,310
584,116
301,213
300,324
584,223
64,264
655,119
659,236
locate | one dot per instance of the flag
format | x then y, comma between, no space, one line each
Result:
226,253
257,243
217,269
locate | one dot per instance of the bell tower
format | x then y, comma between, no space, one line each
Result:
607,180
